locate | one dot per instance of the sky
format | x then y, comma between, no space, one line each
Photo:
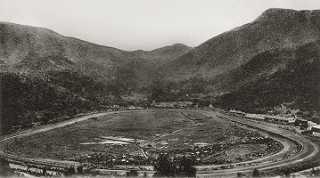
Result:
142,24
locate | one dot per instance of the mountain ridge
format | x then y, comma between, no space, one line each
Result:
21,43
234,48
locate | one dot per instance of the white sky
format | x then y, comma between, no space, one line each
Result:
142,24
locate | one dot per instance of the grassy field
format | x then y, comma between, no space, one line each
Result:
138,136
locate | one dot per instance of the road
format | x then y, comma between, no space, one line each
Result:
309,151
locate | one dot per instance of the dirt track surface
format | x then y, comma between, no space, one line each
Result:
288,146
58,163
309,151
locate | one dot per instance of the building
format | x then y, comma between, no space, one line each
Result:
302,123
291,120
316,130
258,117
237,113
311,124
280,119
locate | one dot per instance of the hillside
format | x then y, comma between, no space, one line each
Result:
53,96
297,83
165,54
25,48
26,101
215,58
256,67
44,75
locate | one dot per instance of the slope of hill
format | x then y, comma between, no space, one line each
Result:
56,73
296,83
33,49
255,67
165,54
25,101
274,29
30,99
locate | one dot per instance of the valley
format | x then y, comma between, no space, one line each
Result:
242,101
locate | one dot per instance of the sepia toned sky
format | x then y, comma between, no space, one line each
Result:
142,24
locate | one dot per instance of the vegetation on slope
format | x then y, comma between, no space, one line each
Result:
274,29
297,83
29,100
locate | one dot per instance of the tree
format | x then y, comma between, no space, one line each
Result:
287,172
256,173
132,173
80,169
6,171
157,92
47,117
44,171
187,168
70,171
182,166
163,166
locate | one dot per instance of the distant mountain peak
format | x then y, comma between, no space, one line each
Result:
278,10
174,46
278,13
180,44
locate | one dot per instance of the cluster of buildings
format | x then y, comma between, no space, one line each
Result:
23,168
304,125
177,104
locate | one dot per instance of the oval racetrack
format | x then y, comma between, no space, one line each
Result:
309,152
